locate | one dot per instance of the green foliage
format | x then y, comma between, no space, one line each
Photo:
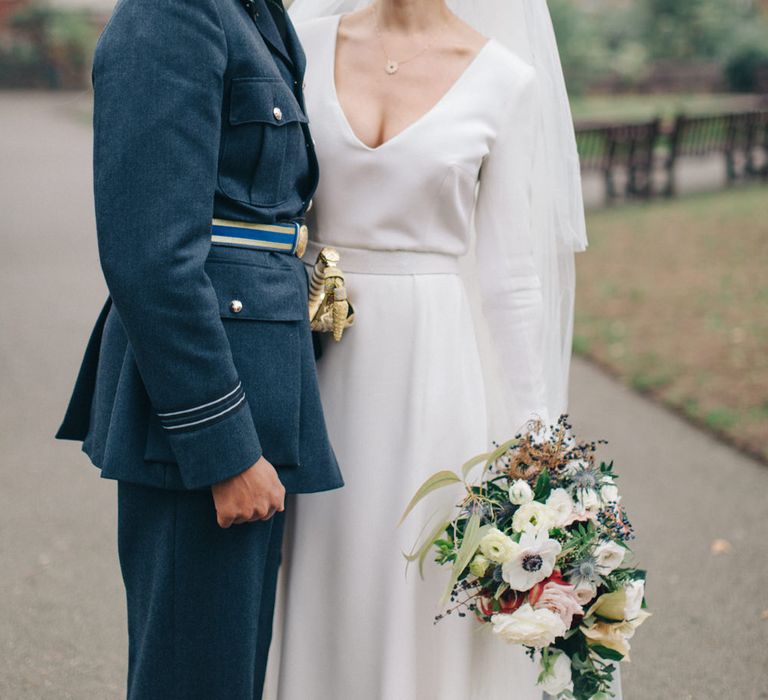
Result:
747,58
543,486
623,40
48,44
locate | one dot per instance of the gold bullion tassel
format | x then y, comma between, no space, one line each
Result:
329,308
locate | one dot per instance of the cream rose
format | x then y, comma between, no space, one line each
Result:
533,628
532,517
558,679
560,505
520,492
609,556
497,547
588,501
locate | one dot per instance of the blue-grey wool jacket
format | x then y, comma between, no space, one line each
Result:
199,113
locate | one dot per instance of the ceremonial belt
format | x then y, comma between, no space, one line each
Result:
369,261
290,237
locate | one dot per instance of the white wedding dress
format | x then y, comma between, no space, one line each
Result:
404,391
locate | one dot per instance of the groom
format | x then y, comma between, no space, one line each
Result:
198,390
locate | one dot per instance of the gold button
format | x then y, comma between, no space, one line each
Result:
301,241
235,306
278,113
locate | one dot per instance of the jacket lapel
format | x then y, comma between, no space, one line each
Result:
266,26
297,53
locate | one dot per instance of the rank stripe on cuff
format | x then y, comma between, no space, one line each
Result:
204,413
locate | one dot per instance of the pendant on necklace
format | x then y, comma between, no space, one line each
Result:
392,67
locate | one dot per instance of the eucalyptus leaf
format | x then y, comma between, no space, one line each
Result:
500,450
469,544
470,464
435,482
420,554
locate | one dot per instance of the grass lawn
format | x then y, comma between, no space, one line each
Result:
673,299
611,108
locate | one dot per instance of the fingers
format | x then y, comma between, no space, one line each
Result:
224,521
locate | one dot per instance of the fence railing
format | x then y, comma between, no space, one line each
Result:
643,153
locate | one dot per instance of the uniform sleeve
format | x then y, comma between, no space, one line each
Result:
158,84
509,283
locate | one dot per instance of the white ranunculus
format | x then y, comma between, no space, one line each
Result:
560,505
559,678
520,492
497,546
609,556
533,562
588,501
533,628
532,517
608,490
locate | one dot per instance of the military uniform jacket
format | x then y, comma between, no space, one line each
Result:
199,114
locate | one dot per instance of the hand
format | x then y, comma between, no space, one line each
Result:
255,494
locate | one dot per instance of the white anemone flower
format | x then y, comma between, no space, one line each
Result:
533,562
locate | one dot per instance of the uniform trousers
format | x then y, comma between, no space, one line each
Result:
200,598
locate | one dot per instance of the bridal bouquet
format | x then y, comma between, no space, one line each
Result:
538,550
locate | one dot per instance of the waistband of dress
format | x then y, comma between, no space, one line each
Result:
387,262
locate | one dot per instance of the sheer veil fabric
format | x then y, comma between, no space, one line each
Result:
557,210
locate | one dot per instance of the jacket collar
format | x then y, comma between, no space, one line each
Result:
265,24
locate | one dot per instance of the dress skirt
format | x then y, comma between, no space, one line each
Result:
403,396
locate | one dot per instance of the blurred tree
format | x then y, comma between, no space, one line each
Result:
623,40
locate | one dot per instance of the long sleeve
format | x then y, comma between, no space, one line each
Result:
509,284
158,84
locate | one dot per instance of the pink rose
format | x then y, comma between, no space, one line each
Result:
561,599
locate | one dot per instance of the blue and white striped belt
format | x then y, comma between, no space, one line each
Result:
290,237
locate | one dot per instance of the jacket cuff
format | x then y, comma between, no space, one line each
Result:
211,452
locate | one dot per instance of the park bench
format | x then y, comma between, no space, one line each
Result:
629,148
741,137
638,149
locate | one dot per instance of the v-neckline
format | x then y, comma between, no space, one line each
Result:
443,98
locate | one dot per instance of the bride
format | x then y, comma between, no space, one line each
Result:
432,120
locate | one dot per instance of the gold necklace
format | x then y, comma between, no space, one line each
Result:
392,66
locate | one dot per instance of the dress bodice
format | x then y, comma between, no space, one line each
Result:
417,191
464,165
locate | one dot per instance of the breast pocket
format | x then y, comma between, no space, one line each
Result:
264,312
262,142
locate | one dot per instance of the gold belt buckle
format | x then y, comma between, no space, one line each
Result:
302,238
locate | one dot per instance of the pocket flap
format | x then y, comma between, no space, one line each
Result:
257,293
265,101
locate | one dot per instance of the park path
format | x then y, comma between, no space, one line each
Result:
61,602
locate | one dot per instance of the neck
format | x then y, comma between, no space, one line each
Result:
411,15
